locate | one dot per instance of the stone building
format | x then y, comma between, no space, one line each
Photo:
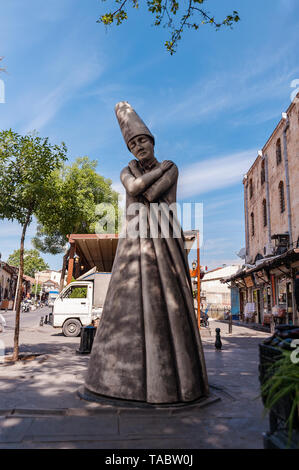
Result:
27,285
271,203
8,283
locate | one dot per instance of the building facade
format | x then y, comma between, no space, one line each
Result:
215,294
48,275
8,283
271,203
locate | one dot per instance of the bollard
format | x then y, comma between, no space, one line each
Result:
218,343
230,324
46,320
272,325
87,337
41,323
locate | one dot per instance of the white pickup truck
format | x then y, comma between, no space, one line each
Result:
80,302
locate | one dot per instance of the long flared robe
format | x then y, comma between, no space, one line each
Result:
147,347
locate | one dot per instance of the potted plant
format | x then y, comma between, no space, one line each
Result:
279,377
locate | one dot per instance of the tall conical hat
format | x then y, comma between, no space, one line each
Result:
130,123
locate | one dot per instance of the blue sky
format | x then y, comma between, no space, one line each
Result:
211,106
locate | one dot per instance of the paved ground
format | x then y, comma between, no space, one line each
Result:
29,319
39,406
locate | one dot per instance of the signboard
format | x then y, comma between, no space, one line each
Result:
258,278
235,301
249,281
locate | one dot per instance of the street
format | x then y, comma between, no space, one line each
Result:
28,320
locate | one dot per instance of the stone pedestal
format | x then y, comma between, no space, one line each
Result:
86,394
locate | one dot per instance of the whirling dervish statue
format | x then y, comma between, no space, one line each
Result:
148,348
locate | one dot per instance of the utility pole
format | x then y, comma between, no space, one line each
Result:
17,290
36,284
198,281
195,273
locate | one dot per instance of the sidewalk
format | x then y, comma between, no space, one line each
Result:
253,326
39,406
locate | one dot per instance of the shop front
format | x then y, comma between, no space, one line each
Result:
267,290
8,280
284,285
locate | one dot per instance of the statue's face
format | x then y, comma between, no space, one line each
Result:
142,147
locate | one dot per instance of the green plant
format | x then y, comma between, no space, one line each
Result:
174,15
78,293
282,382
27,165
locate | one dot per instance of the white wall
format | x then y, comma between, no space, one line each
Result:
214,290
43,276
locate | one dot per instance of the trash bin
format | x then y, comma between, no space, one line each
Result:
87,337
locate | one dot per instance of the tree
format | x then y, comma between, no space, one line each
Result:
26,167
171,14
37,288
33,262
76,191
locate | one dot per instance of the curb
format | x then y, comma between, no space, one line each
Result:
104,408
260,328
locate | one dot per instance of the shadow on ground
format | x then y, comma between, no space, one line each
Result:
50,382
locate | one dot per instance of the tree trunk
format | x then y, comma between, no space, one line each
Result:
20,288
63,270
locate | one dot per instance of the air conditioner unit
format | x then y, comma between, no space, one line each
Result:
269,249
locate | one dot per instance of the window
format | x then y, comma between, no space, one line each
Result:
252,223
76,292
278,152
281,196
263,177
265,212
250,189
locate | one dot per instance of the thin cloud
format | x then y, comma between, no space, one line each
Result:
214,205
49,105
214,173
232,92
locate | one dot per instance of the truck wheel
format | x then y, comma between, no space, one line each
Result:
71,327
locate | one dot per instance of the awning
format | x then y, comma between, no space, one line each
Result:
95,250
98,250
289,257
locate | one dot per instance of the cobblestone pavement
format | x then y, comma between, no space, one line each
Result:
40,408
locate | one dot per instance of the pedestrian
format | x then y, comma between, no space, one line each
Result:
2,323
